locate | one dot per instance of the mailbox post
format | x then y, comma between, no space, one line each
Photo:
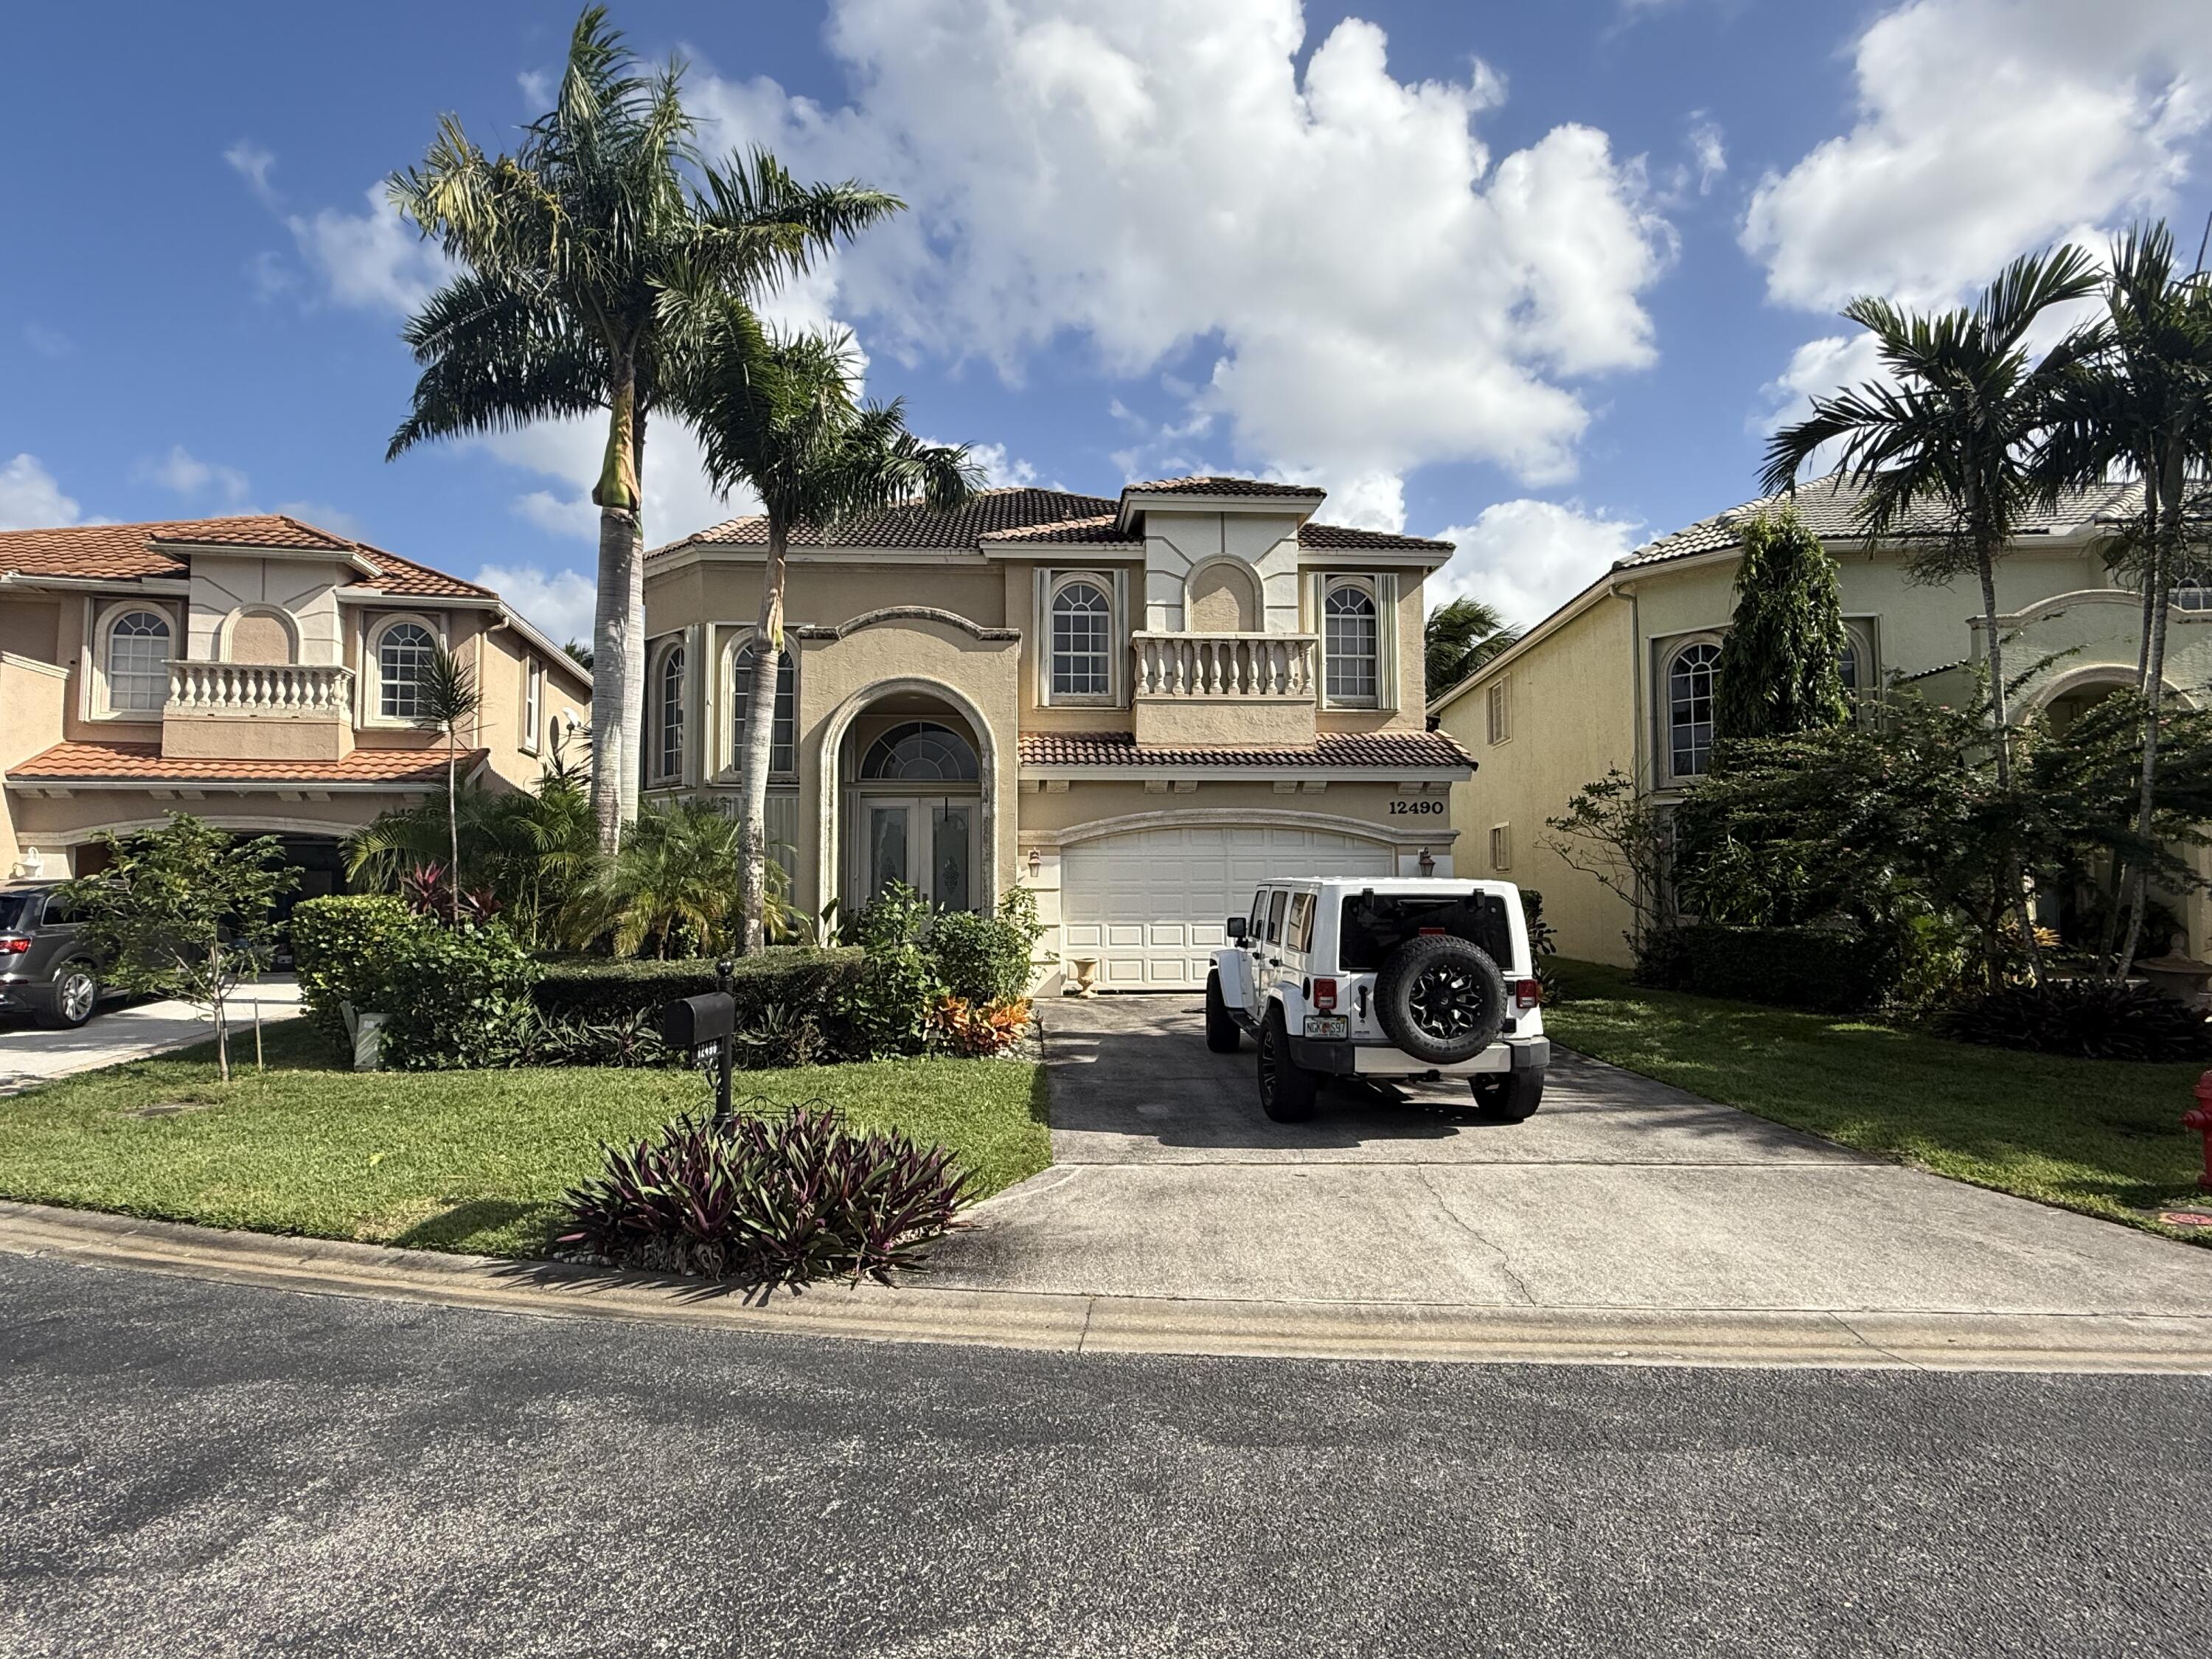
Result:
691,1023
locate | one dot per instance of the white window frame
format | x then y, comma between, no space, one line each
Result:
1671,651
726,735
1114,584
658,775
1498,710
1863,641
1063,582
533,701
102,700
1370,588
370,693
1501,847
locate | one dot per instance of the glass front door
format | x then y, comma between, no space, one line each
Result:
930,845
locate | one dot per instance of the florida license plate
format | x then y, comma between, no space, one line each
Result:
1328,1025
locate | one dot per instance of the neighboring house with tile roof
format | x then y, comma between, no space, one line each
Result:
1621,675
1138,705
253,670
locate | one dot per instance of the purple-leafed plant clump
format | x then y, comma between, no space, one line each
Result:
770,1197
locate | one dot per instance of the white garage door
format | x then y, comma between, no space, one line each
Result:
1149,905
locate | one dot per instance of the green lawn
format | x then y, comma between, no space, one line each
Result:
472,1161
2100,1136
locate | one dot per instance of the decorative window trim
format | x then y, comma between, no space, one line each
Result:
368,687
533,701
1371,586
1501,847
100,703
1867,644
1114,584
657,776
1670,652
726,738
226,636
1498,710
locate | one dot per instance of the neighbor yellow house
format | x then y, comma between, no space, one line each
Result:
1621,676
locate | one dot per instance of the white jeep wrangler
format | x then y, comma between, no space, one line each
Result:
1383,977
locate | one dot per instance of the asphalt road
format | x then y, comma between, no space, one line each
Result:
194,1469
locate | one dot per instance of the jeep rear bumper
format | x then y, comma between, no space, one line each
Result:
1383,1060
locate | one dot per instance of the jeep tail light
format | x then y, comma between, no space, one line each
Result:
1527,993
14,947
1324,996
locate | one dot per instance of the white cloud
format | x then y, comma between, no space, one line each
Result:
999,468
568,453
252,163
1528,558
373,260
323,515
183,474
31,498
1985,128
1375,290
47,342
1708,153
561,602
536,86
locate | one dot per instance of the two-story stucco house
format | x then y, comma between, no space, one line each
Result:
1141,706
1622,674
254,671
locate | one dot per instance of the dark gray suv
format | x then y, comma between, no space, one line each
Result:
45,970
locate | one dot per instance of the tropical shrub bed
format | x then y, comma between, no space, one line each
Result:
1823,970
768,1197
2086,1018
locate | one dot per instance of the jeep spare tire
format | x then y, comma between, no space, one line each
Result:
1440,999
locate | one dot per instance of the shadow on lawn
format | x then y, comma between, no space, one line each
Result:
465,1226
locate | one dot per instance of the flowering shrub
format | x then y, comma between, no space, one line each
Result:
960,1027
768,1197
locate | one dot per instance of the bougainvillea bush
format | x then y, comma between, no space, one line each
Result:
767,1196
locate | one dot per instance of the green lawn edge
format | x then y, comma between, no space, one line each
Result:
2100,1136
473,1161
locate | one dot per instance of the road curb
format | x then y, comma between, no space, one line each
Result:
1931,1339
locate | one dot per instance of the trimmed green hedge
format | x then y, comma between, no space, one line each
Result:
1816,969
342,948
800,978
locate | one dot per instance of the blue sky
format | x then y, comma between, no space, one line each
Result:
1536,278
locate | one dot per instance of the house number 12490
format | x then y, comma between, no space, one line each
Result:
1420,809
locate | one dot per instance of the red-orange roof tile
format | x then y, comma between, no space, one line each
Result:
126,551
1383,750
97,763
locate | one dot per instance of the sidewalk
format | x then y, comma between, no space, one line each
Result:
30,1054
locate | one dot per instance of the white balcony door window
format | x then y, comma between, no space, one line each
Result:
404,654
138,662
1351,640
1082,641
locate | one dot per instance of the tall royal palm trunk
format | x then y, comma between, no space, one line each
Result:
2164,485
1985,569
757,741
617,649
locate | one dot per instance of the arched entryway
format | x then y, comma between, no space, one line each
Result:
914,800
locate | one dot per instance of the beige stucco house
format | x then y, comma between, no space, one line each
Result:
1621,675
1140,706
254,671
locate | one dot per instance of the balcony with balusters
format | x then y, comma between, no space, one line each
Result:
245,711
1225,688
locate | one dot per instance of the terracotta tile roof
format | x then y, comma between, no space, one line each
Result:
1351,541
1207,485
1099,527
87,762
915,526
126,551
1830,506
1383,750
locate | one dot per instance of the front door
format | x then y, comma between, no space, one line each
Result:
930,845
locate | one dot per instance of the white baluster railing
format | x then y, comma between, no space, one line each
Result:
1271,667
324,689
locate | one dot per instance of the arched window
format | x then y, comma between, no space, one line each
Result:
138,662
2192,593
403,655
1082,641
669,752
1848,668
1349,641
919,751
783,741
1690,709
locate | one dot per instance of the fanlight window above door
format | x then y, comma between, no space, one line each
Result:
919,751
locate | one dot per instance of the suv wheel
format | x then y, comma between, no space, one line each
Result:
1441,999
1508,1097
1221,1032
1286,1088
76,994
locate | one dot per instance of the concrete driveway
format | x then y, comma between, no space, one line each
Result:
29,1054
1620,1194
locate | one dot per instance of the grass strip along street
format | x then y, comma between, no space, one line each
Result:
2102,1137
474,1161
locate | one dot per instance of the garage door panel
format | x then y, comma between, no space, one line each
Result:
1149,905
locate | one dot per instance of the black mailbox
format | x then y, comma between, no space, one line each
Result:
694,1021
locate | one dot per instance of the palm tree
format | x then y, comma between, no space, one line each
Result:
2142,404
1461,637
565,246
1944,455
780,415
445,696
679,867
